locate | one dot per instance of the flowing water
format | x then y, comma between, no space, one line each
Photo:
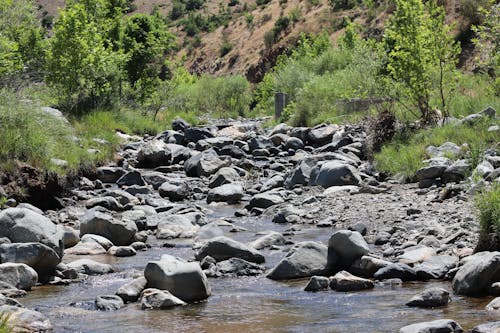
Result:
245,304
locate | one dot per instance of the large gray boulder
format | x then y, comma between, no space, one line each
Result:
436,326
265,200
174,191
435,267
304,259
22,225
20,276
98,223
90,267
110,174
36,255
430,298
182,279
222,248
131,291
109,303
154,153
24,320
347,246
345,281
204,164
175,226
336,173
477,274
226,175
230,193
490,327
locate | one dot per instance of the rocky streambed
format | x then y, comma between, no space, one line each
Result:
231,227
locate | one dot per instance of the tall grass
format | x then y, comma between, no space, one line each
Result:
488,206
4,324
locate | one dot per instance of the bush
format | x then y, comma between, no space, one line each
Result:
488,206
343,4
225,48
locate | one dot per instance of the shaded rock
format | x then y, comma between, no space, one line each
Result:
436,326
195,134
174,192
184,280
317,283
435,267
223,176
107,202
110,174
71,237
398,271
131,178
131,291
180,125
303,260
430,298
24,320
122,251
367,266
152,298
118,232
431,172
477,274
347,246
230,193
36,255
335,173
20,276
265,200
154,153
109,303
457,171
268,240
345,281
223,248
90,267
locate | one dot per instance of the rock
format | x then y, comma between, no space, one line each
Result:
383,237
268,240
494,305
430,172
436,326
335,173
347,246
22,225
230,193
152,298
24,320
131,178
71,237
483,169
265,200
122,251
359,227
273,182
345,281
489,112
110,174
102,241
457,171
174,192
317,283
118,232
239,267
491,327
195,134
223,176
321,134
20,276
301,174
90,267
204,164
294,143
303,260
260,142
153,154
435,267
398,271
175,226
131,291
180,125
184,280
447,149
208,231
367,266
9,301
109,303
223,248
107,202
477,274
416,254
36,255
430,298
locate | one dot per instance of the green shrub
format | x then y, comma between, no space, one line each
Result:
225,48
4,324
262,2
488,206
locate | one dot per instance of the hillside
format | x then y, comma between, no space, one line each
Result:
229,37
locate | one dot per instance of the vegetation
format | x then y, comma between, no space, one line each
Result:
488,206
4,324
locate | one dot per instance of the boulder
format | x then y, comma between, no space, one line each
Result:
152,298
180,125
24,320
317,283
22,225
430,298
223,248
90,267
20,276
230,193
204,164
270,239
118,232
86,248
110,174
303,260
321,134
265,200
347,246
345,281
436,326
335,173
396,271
430,172
182,279
131,291
477,274
416,254
239,267
107,202
174,191
153,154
109,303
175,226
367,266
195,134
131,178
122,251
435,267
226,175
447,149
103,241
36,255
494,305
491,327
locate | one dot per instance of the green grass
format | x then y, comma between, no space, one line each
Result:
405,156
488,207
4,325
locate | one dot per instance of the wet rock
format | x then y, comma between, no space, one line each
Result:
24,320
90,267
223,248
110,174
22,225
441,326
239,267
494,305
303,260
109,303
268,240
345,281
131,178
230,193
154,153
152,298
491,327
184,280
347,246
367,266
335,173
435,267
317,283
131,291
226,175
36,255
20,276
430,298
398,271
477,274
174,192
122,251
265,200
118,232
